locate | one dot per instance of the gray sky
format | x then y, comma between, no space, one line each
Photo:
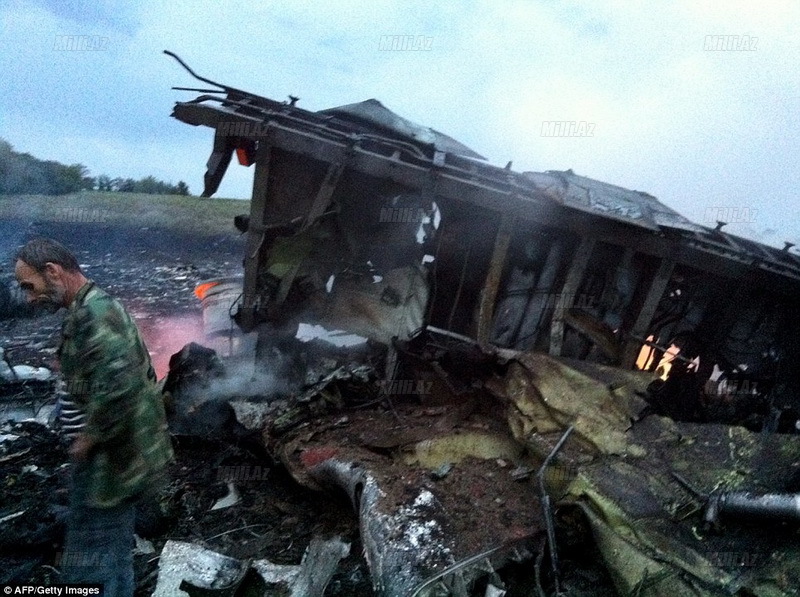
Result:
710,133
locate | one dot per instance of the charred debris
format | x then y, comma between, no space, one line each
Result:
546,360
524,383
366,222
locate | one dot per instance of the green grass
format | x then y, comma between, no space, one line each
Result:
191,214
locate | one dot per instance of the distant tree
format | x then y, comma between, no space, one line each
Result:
148,184
21,173
71,179
18,171
127,185
104,183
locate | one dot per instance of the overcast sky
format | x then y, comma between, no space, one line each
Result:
709,132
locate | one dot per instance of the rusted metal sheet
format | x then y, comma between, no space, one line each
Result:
186,569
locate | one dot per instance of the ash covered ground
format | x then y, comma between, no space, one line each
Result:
153,272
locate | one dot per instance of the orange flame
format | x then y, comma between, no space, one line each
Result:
202,289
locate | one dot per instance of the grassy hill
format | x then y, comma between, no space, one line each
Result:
188,214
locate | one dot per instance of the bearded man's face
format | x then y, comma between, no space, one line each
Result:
41,288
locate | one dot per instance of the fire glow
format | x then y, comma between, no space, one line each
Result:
166,335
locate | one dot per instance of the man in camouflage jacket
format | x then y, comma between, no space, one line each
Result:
120,444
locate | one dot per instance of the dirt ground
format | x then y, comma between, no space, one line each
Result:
153,272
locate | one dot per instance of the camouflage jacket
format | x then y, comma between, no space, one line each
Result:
108,373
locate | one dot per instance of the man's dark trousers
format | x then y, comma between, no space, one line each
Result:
99,542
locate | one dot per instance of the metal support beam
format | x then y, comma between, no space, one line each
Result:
568,292
324,194
648,310
255,237
321,201
490,287
218,163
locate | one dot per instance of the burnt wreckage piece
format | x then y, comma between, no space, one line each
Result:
364,222
548,261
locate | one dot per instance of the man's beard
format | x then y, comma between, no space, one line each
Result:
53,298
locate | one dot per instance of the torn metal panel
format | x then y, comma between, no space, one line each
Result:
609,201
403,545
217,164
180,562
185,569
544,395
393,307
646,524
319,563
374,113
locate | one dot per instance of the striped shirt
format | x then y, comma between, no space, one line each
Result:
71,417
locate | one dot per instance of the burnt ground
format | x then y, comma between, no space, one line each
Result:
153,272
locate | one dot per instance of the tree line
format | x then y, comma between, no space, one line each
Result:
23,174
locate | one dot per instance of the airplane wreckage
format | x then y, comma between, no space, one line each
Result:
535,346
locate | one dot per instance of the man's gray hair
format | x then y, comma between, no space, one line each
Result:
39,251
